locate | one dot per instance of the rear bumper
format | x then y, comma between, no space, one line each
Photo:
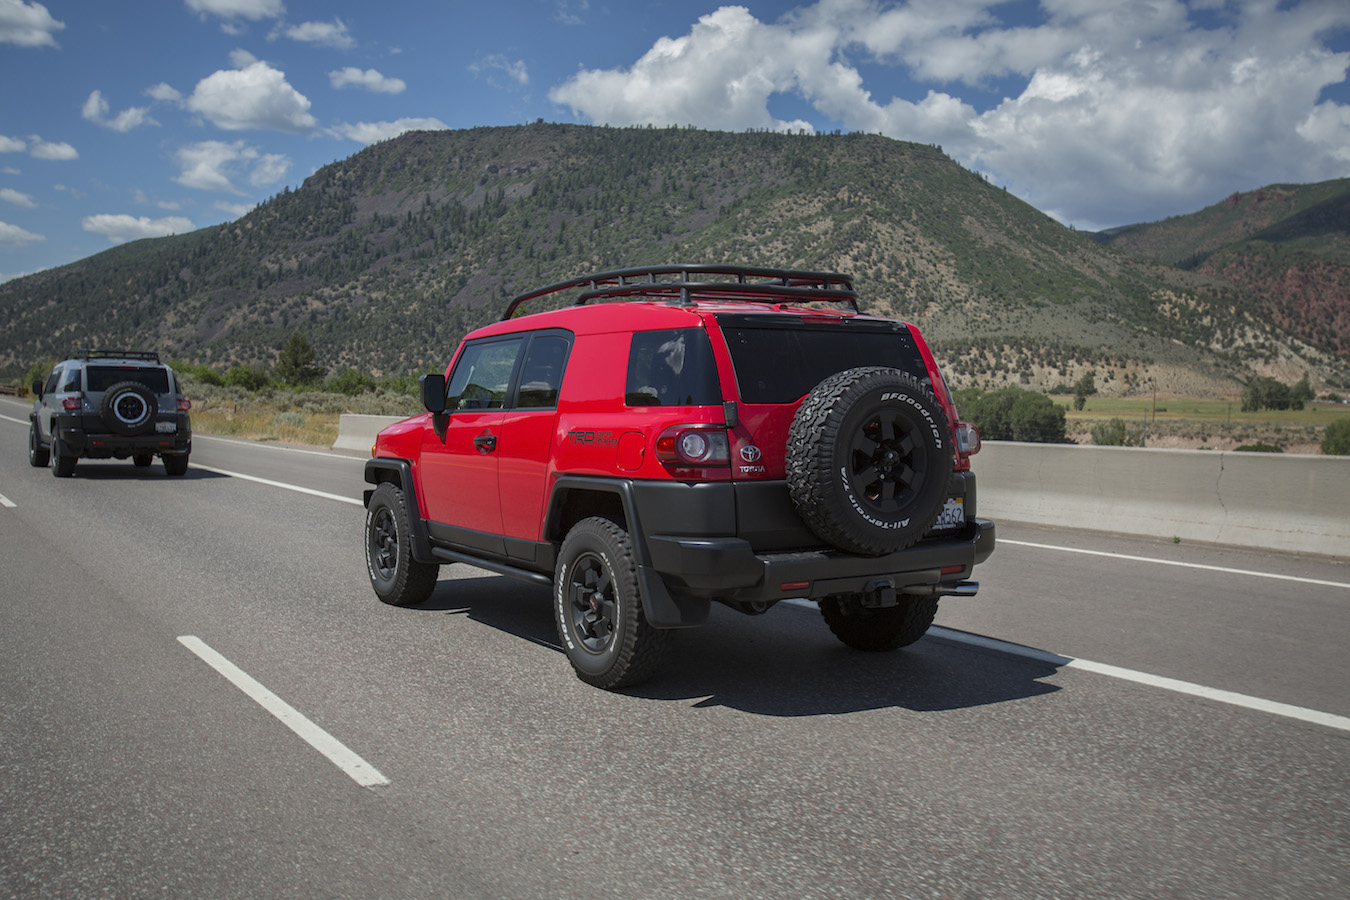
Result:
728,569
78,442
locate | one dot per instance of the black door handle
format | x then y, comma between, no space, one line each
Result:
485,443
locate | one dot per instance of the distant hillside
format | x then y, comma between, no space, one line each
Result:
383,260
1287,245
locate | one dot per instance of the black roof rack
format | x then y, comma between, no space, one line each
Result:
684,282
87,353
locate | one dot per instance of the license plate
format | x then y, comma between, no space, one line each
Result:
953,514
166,427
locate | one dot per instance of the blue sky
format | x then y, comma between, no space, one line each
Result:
128,120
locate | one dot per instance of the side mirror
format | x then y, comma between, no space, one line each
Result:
433,392
37,389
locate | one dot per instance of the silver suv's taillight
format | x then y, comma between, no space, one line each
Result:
694,445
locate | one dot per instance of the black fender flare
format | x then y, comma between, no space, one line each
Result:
662,608
399,472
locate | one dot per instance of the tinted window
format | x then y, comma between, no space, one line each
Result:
672,368
541,375
482,375
782,363
100,378
69,380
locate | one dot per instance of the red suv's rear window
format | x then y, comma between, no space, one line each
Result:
779,359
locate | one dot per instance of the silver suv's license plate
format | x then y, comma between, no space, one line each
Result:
953,514
166,427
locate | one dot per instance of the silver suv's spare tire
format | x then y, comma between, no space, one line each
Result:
869,459
128,408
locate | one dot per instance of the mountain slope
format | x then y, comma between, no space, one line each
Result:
384,259
1288,246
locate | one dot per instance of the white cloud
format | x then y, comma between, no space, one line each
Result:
163,92
1125,110
255,97
370,132
327,34
96,110
52,150
369,79
120,227
12,236
490,65
720,75
212,166
27,24
564,14
235,209
270,168
12,145
18,198
253,10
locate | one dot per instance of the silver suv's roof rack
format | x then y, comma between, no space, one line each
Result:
684,283
87,353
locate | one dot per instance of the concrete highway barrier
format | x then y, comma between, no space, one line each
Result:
356,432
1267,500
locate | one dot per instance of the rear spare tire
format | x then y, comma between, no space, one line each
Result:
869,460
128,408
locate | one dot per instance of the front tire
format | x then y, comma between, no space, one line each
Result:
38,453
878,629
597,607
397,578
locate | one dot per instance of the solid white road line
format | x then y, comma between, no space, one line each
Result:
16,421
6,502
360,771
1330,720
1172,562
280,484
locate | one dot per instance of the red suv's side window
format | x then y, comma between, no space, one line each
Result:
482,375
673,367
541,376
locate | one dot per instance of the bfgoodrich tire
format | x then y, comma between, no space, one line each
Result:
397,578
598,609
869,459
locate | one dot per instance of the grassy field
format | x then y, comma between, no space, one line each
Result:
1188,422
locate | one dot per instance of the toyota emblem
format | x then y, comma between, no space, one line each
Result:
750,454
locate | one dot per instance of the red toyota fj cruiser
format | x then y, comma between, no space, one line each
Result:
679,435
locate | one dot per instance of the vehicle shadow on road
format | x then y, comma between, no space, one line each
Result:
124,470
783,663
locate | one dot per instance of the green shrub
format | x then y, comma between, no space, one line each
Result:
1116,433
1012,414
1259,448
1036,418
350,382
250,378
1336,442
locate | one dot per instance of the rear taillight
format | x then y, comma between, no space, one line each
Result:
71,403
694,445
184,404
967,439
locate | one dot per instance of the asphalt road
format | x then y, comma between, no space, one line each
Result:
766,760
